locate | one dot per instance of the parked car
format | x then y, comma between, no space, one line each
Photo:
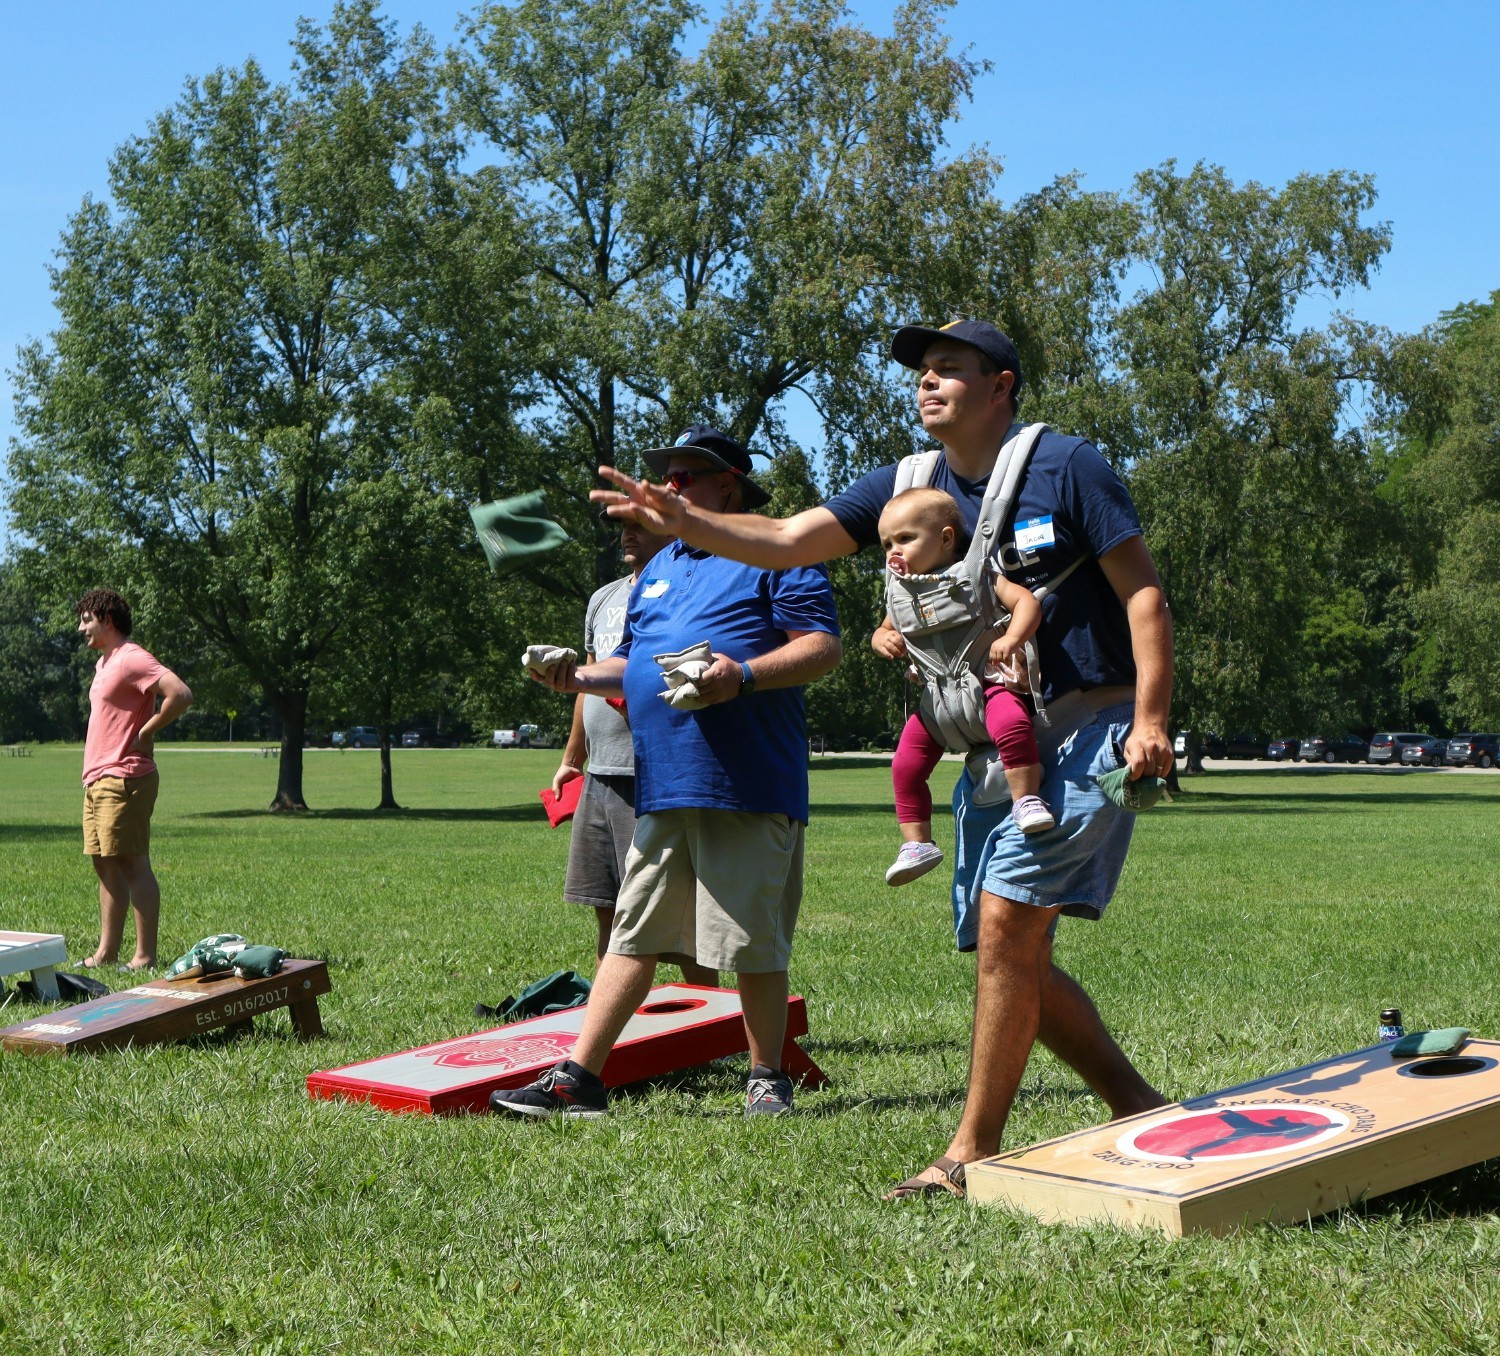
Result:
1426,751
423,738
1474,750
522,737
359,737
1236,746
1347,748
317,739
1386,748
1283,750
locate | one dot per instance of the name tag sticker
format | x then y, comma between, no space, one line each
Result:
1034,534
654,588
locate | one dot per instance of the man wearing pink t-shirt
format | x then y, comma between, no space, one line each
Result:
119,776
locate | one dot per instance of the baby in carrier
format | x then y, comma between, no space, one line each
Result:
921,532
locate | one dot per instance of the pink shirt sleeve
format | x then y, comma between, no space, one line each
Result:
121,700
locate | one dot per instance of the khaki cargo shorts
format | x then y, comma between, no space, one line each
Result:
117,815
722,885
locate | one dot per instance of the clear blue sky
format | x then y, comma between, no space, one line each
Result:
1404,92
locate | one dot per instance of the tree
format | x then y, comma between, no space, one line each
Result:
226,374
710,234
44,671
1252,482
1450,424
418,600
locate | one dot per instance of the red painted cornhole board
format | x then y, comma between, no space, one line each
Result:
678,1026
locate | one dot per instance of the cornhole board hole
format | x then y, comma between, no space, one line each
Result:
39,952
678,1026
1284,1148
172,1010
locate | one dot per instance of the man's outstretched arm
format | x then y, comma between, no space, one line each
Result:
807,538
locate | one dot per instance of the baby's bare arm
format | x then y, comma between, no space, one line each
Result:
888,642
1025,611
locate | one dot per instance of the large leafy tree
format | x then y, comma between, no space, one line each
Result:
44,669
1447,482
710,234
1230,415
227,371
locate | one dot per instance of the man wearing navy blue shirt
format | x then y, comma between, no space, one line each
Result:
715,867
1105,649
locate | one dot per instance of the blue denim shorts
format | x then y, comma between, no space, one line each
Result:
1077,864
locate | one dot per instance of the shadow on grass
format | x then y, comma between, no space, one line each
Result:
1194,799
834,763
1469,1193
44,831
822,809
500,814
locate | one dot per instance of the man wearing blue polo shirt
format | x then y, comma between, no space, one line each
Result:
715,868
1106,658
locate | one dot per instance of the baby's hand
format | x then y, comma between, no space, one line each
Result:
888,643
1003,650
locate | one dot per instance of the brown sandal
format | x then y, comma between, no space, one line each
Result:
953,1182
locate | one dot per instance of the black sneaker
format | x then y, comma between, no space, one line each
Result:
768,1093
567,1089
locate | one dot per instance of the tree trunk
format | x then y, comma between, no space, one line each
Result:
387,792
292,708
605,532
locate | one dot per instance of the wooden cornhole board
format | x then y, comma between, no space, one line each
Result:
172,1010
39,952
678,1026
1284,1148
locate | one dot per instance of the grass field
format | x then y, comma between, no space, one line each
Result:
193,1199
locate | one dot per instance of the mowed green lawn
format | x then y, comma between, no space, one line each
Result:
194,1199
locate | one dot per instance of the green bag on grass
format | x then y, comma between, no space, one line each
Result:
559,991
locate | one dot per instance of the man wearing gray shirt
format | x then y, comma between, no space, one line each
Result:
604,822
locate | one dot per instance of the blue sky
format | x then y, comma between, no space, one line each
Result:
1267,91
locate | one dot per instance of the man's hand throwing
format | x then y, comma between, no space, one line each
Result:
655,507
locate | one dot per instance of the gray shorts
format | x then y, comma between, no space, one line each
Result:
722,885
603,825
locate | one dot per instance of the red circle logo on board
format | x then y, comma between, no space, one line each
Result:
1234,1132
540,1047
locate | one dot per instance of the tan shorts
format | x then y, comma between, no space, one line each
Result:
722,885
117,815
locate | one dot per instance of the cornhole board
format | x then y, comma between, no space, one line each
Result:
39,952
163,1010
678,1026
1283,1148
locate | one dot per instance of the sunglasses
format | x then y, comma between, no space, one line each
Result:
680,480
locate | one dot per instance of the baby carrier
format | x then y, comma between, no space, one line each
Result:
950,619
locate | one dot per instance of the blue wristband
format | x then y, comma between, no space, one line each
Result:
747,679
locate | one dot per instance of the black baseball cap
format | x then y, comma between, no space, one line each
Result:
912,341
717,448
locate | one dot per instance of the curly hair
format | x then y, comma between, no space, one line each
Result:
106,605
